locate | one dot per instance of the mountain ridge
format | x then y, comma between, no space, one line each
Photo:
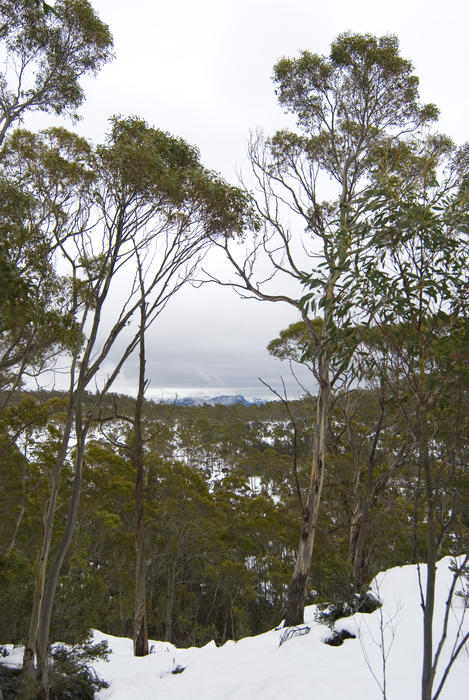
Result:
222,400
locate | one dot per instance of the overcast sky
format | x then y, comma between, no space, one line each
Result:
202,70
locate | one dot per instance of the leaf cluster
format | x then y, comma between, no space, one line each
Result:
49,53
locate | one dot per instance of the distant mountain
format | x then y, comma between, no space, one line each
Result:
217,400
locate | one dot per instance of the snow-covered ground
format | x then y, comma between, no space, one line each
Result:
257,668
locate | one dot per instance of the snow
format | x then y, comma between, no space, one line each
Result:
256,668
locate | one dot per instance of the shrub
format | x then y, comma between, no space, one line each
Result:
70,677
329,613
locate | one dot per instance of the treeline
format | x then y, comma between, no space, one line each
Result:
221,513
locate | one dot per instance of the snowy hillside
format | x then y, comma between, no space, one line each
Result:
257,668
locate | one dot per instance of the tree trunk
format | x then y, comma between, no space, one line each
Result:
170,602
428,670
20,517
30,649
358,537
360,525
140,615
42,649
297,588
358,522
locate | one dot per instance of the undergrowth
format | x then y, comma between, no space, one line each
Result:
329,613
71,675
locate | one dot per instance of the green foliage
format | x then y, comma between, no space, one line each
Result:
11,682
416,229
221,529
346,73
16,573
295,342
363,76
347,105
37,319
48,54
144,164
71,674
14,290
221,496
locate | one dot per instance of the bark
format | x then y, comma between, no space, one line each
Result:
360,525
20,517
297,588
170,602
358,522
428,668
212,604
30,649
47,575
358,537
140,616
19,520
42,649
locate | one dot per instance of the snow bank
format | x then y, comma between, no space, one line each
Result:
256,668
387,648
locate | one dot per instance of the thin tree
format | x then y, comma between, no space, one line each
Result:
140,615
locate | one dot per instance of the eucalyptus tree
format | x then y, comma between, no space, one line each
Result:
411,283
47,53
309,183
140,614
35,323
202,205
143,192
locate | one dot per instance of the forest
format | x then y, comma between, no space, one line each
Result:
193,523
